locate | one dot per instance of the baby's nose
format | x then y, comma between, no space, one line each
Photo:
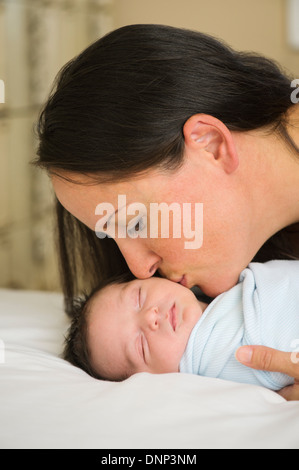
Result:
152,318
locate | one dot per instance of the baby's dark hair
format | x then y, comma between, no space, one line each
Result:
76,350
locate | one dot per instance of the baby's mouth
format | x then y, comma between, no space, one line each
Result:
173,317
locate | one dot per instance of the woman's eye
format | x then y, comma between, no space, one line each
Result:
136,228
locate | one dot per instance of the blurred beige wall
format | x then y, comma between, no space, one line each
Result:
256,25
36,38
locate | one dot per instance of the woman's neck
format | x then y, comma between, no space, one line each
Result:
269,172
282,195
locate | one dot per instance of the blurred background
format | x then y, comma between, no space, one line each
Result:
36,38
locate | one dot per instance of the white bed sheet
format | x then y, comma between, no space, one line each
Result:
47,403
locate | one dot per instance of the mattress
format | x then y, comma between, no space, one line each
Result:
46,403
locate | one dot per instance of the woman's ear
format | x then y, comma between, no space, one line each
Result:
204,132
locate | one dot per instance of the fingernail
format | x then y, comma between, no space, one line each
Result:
244,354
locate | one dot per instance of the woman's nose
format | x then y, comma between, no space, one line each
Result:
142,261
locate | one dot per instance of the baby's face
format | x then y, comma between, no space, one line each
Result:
141,326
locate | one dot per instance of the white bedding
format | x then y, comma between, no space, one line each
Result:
47,403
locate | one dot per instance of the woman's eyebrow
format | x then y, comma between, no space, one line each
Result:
115,212
110,216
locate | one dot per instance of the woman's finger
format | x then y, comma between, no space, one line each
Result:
263,358
290,393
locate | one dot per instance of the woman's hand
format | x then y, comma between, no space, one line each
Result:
263,358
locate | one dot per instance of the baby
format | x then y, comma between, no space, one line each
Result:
158,326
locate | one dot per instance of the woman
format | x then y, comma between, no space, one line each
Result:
157,114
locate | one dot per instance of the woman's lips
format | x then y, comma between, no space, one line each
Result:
183,281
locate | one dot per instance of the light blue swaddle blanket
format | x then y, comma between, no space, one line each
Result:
262,309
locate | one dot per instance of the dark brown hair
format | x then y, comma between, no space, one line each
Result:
119,107
76,350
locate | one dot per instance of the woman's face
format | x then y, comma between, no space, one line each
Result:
212,218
